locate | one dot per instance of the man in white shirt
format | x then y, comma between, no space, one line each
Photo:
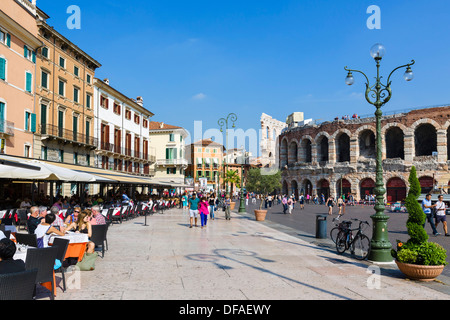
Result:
441,214
427,208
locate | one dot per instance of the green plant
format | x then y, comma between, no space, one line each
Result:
261,183
417,217
407,256
431,254
417,250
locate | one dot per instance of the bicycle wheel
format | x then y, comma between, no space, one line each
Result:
361,246
341,242
334,233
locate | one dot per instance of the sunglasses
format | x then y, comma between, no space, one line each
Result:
77,211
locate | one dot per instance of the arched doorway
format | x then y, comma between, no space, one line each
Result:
285,188
427,184
307,188
323,187
294,189
396,190
366,188
343,187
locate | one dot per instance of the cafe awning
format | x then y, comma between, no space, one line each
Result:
107,176
15,168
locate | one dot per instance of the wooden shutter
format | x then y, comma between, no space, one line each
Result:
28,82
2,69
33,123
8,40
25,52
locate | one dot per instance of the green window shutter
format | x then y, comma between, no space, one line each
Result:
33,122
8,40
33,56
25,52
28,82
167,154
27,118
2,69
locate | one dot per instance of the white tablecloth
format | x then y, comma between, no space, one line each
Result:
73,237
20,255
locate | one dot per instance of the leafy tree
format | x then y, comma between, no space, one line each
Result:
262,184
233,178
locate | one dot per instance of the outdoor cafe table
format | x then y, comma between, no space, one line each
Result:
77,244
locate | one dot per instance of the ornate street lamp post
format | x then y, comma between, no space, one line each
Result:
378,95
224,122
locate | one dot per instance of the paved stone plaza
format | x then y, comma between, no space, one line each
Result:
239,259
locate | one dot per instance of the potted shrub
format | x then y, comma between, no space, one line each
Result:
418,259
262,184
233,178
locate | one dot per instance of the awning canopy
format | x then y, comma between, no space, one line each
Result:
33,170
107,176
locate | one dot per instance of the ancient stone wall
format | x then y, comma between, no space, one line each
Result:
346,149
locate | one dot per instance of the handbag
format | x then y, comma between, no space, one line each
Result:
88,262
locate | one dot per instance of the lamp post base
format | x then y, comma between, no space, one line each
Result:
380,246
242,208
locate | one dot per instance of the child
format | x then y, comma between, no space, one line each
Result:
204,211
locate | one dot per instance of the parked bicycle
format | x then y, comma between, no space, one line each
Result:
358,244
338,227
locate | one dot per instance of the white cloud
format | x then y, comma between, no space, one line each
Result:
199,96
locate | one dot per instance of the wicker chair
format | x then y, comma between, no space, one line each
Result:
18,286
44,260
99,236
62,245
27,239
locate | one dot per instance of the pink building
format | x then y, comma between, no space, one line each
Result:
18,45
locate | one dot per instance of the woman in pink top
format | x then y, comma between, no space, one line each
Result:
204,211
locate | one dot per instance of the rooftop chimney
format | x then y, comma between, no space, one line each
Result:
140,101
106,81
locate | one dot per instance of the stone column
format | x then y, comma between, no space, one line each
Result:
409,148
354,150
331,151
442,146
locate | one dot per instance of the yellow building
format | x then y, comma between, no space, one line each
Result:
205,164
64,100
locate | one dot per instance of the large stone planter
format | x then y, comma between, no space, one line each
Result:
260,215
232,205
418,272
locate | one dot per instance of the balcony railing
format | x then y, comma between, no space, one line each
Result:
6,128
172,162
127,152
68,135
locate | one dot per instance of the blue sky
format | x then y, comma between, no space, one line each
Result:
200,60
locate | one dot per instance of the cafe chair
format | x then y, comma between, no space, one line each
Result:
23,218
7,234
62,245
18,286
99,237
27,239
43,259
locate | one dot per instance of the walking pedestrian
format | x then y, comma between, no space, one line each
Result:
330,204
204,211
193,209
440,214
428,209
184,201
284,202
290,204
212,204
227,205
340,204
302,202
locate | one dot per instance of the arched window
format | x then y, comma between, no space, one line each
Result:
292,153
322,150
395,145
425,138
367,144
343,148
